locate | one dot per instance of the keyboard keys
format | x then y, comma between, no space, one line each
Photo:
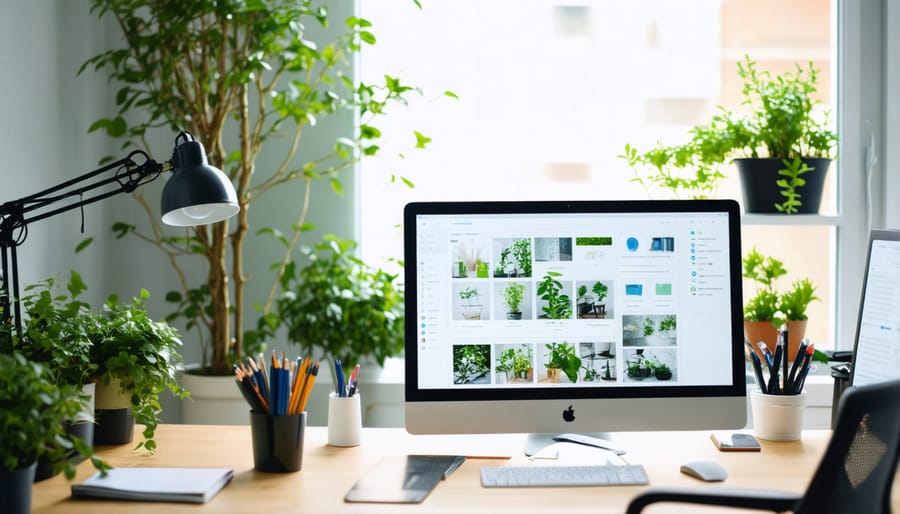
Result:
550,476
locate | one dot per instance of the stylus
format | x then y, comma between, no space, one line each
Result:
595,442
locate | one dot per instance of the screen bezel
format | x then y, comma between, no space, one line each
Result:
414,394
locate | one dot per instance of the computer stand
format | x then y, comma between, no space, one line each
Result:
534,443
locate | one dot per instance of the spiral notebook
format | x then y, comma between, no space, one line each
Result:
185,485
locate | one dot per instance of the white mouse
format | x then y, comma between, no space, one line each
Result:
706,470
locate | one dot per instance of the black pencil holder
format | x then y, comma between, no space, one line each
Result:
277,441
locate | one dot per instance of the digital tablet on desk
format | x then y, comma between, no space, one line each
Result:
403,478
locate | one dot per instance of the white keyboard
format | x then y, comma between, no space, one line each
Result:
548,476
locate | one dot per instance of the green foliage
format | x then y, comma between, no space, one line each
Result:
339,307
521,249
55,331
469,294
667,323
32,414
142,354
513,294
517,360
241,75
649,327
559,306
778,119
470,362
564,358
593,241
768,304
792,171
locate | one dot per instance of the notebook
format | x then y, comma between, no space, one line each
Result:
187,485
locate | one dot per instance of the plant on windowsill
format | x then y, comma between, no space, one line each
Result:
513,295
32,413
248,81
562,359
781,143
338,307
768,309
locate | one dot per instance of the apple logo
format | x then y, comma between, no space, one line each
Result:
569,414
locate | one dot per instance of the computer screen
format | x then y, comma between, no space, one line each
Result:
876,355
548,317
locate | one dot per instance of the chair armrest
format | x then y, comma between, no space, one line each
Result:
760,499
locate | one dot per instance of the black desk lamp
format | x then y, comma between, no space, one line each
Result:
197,194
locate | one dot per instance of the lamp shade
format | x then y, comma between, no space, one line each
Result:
197,193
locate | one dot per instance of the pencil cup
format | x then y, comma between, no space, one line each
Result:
344,420
777,417
277,441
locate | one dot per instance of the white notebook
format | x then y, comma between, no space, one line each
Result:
190,485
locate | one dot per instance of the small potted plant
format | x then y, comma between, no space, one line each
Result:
505,365
659,369
562,360
137,359
513,295
339,307
521,250
637,368
768,309
557,305
470,309
667,326
782,146
32,413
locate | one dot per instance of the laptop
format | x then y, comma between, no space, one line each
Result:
876,351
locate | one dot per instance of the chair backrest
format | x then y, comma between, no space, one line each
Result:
857,471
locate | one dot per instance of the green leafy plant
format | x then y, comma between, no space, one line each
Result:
339,307
778,119
558,306
470,362
142,354
659,369
521,249
247,79
638,368
32,412
563,357
667,324
513,295
648,327
768,304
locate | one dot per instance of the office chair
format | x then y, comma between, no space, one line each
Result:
855,474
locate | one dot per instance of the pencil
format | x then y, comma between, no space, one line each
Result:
304,369
308,388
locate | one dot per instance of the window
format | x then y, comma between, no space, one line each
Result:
551,91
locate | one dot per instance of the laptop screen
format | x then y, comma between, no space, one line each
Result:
876,355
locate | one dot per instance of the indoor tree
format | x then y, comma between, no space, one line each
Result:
239,74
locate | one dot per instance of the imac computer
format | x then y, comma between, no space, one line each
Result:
573,317
876,352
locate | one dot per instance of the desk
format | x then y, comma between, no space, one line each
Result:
329,472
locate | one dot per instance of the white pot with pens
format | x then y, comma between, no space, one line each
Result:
344,409
778,403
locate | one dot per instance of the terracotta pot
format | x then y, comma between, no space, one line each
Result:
553,375
755,331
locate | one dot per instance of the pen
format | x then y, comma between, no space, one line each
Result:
757,370
339,371
766,353
783,335
791,379
351,387
804,371
773,371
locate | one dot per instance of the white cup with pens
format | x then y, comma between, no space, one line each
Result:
778,403
345,409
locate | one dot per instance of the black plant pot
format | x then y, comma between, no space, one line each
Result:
761,192
114,426
15,490
83,430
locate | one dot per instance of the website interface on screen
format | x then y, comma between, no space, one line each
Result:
878,344
573,300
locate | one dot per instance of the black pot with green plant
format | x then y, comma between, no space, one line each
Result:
32,412
781,142
137,357
562,357
513,295
339,307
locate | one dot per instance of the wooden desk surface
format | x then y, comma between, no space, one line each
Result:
329,472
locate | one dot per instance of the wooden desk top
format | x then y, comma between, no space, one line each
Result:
329,472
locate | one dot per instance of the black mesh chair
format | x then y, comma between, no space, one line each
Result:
854,476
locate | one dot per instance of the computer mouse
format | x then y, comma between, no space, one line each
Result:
706,470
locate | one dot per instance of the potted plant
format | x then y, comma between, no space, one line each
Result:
246,79
32,412
470,363
521,250
659,369
137,359
562,359
637,368
506,364
648,327
781,144
513,295
470,310
339,307
558,305
591,301
768,309
667,326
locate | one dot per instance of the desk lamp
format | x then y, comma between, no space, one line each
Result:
197,194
